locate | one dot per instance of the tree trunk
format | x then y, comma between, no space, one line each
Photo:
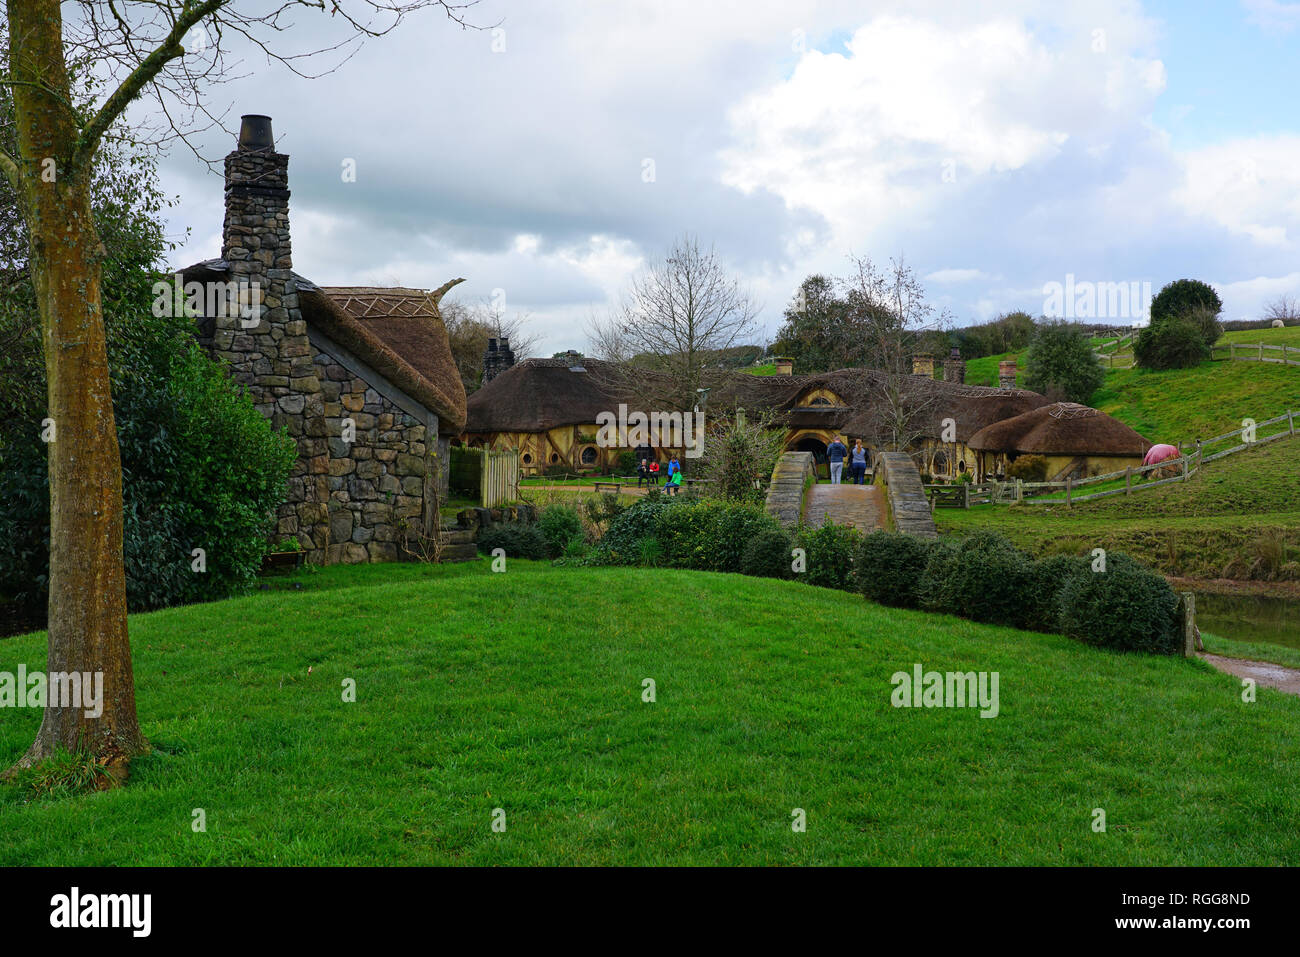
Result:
87,583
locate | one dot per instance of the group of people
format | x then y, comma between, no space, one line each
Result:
648,472
837,452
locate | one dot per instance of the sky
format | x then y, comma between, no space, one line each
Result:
1002,149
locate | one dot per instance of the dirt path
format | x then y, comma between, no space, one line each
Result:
856,505
1265,674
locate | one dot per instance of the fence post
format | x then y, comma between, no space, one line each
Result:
1128,480
965,494
1290,422
1069,484
1261,352
1184,468
1188,609
1020,490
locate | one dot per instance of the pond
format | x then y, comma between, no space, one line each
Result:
1250,618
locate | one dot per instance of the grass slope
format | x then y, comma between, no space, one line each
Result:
1225,514
523,691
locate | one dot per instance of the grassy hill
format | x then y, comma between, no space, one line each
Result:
1241,512
771,696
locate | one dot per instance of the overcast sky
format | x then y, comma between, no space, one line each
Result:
996,146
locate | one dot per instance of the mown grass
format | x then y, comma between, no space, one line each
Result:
523,691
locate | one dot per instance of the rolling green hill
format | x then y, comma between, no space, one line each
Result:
759,710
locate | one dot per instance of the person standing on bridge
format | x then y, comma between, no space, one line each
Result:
859,463
836,453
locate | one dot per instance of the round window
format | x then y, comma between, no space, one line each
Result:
589,455
555,458
528,458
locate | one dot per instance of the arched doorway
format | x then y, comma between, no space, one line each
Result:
810,443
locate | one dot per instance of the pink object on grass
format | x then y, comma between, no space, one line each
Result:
1158,453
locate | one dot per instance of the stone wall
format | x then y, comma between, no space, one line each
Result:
346,501
909,509
785,493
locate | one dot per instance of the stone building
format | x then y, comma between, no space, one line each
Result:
362,378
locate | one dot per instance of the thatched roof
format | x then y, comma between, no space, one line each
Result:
540,394
396,331
1062,428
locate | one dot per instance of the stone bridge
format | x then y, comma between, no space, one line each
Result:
794,497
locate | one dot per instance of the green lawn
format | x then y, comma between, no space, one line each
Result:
522,691
1287,336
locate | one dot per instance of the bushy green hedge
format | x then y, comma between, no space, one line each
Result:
516,539
201,468
710,534
1127,607
889,567
559,525
768,555
830,551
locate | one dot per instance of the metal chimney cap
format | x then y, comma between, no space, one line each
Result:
255,133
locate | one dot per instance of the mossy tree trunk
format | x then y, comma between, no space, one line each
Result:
87,586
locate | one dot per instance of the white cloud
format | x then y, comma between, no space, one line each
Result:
1273,14
1249,186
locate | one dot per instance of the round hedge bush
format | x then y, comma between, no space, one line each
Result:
829,550
1047,579
768,555
1128,607
559,525
988,580
517,540
889,567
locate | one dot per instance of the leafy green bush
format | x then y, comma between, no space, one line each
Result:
830,552
767,555
710,534
987,580
933,592
516,539
559,525
889,567
201,468
1060,359
1047,579
1028,468
1181,297
1174,343
1128,607
620,545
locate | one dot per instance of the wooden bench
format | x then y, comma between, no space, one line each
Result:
616,486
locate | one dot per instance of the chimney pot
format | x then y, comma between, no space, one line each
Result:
255,133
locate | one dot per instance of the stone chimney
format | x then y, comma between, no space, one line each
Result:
265,341
497,359
954,368
784,365
1007,374
923,365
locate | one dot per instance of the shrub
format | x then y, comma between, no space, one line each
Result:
1060,359
989,580
1181,297
622,540
932,590
767,555
201,468
1206,321
1173,343
710,534
1047,579
889,567
1028,468
965,478
517,540
626,463
830,552
559,525
1128,607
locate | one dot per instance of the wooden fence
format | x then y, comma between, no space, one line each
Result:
1194,456
499,478
1255,352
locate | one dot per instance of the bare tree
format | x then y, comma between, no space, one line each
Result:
170,51
676,316
1284,307
890,310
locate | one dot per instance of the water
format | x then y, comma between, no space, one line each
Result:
1274,621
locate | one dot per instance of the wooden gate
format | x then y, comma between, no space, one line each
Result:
500,478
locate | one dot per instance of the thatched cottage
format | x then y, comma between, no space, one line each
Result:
548,409
362,378
1076,441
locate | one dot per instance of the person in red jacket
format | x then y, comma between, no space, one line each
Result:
654,472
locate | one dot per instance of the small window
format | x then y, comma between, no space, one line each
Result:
528,458
820,400
589,455
555,458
